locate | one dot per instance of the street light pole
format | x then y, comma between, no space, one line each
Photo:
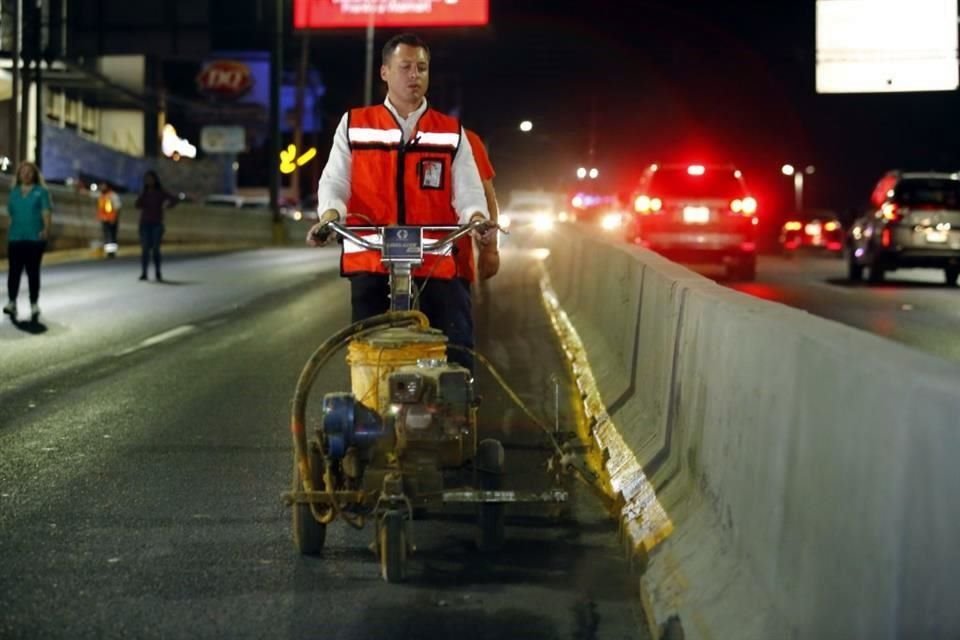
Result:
368,67
797,173
276,77
798,190
38,75
15,115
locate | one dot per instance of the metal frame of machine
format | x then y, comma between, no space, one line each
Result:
405,438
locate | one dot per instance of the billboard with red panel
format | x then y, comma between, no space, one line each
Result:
337,14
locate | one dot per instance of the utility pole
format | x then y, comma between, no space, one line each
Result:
276,77
24,50
299,110
368,75
38,60
592,148
15,107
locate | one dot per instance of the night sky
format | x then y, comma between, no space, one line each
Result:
671,80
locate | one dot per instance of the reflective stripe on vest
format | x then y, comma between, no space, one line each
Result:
358,135
451,140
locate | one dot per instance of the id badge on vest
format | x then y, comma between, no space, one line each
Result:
431,172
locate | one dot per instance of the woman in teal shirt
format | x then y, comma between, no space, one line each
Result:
29,209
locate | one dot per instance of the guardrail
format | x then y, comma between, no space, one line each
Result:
808,471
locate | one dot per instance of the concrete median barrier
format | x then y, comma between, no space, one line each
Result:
804,472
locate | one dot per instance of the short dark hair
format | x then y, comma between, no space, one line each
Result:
409,39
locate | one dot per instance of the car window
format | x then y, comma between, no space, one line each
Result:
680,183
930,191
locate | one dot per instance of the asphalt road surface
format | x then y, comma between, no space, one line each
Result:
144,445
913,306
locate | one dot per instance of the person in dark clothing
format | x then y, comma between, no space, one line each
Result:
29,208
152,202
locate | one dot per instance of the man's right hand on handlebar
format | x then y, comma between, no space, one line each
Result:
319,234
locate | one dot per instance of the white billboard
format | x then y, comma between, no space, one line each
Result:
880,46
223,139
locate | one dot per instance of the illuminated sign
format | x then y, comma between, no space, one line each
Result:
173,146
334,14
290,160
225,78
881,46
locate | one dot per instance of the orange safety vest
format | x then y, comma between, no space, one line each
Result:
466,263
105,209
393,182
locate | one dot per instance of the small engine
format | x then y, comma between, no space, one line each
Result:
430,409
431,404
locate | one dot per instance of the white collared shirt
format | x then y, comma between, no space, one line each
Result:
333,190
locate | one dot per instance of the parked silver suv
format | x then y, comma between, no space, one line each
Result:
913,221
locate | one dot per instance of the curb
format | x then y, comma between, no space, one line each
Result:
643,522
67,256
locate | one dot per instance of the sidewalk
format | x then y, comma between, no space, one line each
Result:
64,256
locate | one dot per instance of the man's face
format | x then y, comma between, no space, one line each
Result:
407,74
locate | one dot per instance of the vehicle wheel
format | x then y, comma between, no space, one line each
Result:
309,535
876,274
952,274
854,269
392,547
490,515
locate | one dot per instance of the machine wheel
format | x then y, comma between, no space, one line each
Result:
308,534
876,274
490,515
392,547
951,274
854,269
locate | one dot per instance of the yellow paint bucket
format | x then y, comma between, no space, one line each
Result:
376,356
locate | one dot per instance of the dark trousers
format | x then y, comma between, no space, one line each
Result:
109,232
24,254
151,234
446,303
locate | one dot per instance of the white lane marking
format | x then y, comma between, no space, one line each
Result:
159,338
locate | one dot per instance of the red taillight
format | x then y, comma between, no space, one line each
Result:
696,170
647,205
886,238
748,247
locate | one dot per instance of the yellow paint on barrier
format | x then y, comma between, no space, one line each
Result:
643,517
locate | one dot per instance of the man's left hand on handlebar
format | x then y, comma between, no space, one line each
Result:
486,233
319,234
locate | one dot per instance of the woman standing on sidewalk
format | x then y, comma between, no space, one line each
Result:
152,201
30,213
